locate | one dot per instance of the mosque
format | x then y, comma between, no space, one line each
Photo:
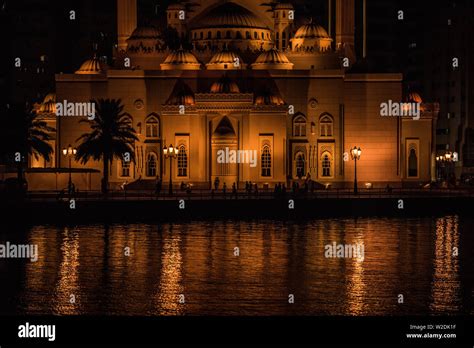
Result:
245,78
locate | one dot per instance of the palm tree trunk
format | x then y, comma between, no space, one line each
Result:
105,179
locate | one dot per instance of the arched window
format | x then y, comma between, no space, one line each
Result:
255,35
182,161
300,165
125,172
152,127
263,35
209,34
266,160
151,165
227,34
218,34
413,163
238,35
326,170
126,121
299,126
195,35
325,126
201,35
247,35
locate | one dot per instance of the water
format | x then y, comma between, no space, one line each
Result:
413,257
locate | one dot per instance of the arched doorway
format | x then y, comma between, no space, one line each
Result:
224,146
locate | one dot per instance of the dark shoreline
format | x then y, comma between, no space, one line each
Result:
32,212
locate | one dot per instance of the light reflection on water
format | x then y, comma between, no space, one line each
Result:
413,257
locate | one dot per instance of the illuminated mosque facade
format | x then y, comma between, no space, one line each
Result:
245,78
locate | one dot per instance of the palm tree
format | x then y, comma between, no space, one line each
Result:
111,137
26,134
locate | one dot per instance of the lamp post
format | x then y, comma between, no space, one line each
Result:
439,159
355,155
450,158
170,152
69,152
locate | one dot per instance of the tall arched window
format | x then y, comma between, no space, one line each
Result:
218,34
299,126
238,35
300,165
209,35
266,161
255,35
182,161
325,126
227,34
151,165
247,35
125,172
413,163
152,127
326,170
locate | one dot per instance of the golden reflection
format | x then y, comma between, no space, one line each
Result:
356,287
38,275
66,293
445,285
167,296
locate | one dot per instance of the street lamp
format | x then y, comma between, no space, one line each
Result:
355,155
69,152
439,160
170,152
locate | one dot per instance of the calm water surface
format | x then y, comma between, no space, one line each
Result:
415,257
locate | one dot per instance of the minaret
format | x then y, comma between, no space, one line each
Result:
345,25
126,21
283,18
176,18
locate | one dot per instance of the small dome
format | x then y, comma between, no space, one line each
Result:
181,95
48,106
145,39
284,6
268,97
176,7
311,38
146,32
91,67
225,60
272,59
225,85
414,97
311,31
181,60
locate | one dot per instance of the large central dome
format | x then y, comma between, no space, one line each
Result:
229,15
232,26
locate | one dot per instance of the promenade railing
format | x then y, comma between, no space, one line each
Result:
203,194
